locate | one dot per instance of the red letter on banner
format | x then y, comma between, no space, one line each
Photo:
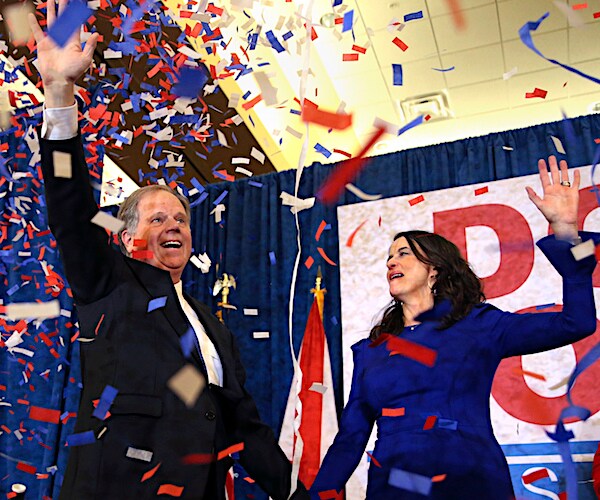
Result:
516,242
511,392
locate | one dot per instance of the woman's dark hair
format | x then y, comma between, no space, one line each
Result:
455,281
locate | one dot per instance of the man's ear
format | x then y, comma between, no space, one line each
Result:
127,240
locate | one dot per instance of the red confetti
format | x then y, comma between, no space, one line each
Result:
416,200
98,325
309,262
580,6
320,230
198,458
406,348
30,469
349,57
328,495
170,489
44,415
362,50
457,15
350,239
430,422
400,43
249,480
438,478
536,93
374,460
150,473
250,104
529,374
232,449
324,255
535,476
342,152
481,191
336,182
393,412
336,121
142,254
596,15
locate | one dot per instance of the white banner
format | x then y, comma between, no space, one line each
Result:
496,227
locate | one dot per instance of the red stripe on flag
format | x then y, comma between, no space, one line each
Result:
311,364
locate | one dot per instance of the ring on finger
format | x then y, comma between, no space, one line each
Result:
565,183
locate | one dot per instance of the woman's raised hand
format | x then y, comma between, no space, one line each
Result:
560,201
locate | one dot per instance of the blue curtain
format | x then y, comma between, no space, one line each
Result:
255,242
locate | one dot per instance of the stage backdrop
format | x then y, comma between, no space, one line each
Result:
496,226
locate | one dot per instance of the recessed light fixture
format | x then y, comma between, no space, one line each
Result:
328,20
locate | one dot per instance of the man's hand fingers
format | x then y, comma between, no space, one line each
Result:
38,33
90,46
50,12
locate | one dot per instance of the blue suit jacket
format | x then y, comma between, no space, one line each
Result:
456,390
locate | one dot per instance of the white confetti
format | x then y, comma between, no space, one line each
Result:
250,312
296,203
143,455
317,387
38,310
188,383
107,221
257,155
361,194
62,164
558,145
260,335
583,250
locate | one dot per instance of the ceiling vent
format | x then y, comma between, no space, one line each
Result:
435,105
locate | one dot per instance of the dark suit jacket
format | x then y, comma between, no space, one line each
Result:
135,351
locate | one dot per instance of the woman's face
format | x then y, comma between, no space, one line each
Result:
408,278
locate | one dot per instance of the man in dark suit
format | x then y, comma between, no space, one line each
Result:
163,431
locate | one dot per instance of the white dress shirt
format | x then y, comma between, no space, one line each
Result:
209,353
61,124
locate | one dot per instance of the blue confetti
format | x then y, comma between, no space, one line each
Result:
336,3
75,14
81,438
321,149
188,342
417,121
255,184
397,68
272,258
220,198
106,400
348,20
410,481
413,15
157,303
525,35
274,42
191,82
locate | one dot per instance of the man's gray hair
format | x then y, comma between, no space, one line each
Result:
128,211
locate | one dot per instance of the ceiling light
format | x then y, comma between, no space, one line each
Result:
328,20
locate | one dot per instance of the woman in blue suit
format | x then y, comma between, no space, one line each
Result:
425,372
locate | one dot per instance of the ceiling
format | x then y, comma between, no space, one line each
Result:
471,56
486,89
